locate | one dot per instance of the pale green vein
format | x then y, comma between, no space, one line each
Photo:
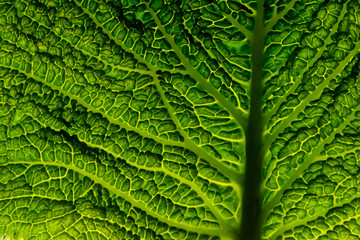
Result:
311,159
240,140
95,110
343,222
318,54
154,69
247,84
235,112
99,58
243,83
34,196
279,16
87,53
341,154
130,128
312,96
283,229
69,227
215,163
27,196
159,169
126,197
223,222
248,34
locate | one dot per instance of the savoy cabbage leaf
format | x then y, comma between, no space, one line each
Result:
134,119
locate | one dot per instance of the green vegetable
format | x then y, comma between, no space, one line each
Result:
191,119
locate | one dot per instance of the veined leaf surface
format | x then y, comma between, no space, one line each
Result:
194,119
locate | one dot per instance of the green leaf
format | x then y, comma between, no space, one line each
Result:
194,119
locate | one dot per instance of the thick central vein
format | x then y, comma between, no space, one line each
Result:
250,222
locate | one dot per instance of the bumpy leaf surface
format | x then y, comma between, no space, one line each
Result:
127,119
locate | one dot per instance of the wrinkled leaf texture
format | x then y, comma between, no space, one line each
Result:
126,119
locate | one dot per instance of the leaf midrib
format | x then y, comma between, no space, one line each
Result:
251,224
